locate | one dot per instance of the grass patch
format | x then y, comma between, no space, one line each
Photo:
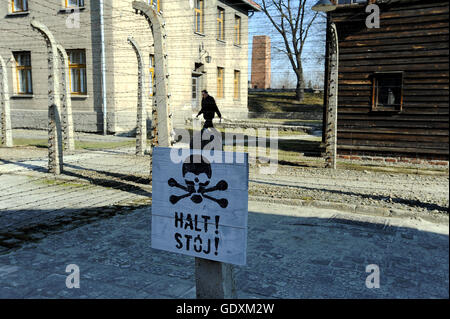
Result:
283,102
55,182
86,145
103,145
291,133
40,143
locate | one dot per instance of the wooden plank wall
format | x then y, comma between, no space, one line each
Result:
413,38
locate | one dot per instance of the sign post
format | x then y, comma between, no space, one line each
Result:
214,280
200,209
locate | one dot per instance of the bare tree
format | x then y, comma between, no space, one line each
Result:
284,80
293,21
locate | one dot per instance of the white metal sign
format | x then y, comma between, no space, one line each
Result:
200,203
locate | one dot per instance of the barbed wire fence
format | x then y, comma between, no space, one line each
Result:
73,176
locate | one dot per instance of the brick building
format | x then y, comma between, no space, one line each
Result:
261,66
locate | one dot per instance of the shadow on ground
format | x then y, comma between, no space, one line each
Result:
288,257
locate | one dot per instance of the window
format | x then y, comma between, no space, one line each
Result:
237,84
74,3
194,88
220,72
237,30
198,10
152,75
387,92
220,24
155,3
19,5
23,72
77,71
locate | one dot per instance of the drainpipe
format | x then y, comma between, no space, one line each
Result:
102,32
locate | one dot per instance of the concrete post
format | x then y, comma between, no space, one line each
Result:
332,111
141,124
55,151
161,96
66,102
5,109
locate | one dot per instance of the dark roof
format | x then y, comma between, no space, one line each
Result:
252,5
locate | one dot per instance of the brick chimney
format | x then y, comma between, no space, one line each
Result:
261,69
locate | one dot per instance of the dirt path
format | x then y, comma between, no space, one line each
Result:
391,190
398,189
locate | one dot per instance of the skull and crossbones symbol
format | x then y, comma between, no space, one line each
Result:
197,176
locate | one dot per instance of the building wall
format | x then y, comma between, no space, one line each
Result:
16,34
121,64
183,46
122,68
413,38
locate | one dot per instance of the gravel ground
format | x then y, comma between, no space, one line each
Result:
413,192
399,189
22,153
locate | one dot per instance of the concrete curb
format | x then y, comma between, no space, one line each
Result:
438,218
295,128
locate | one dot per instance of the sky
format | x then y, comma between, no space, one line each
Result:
259,24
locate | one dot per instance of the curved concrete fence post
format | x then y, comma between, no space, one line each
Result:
141,121
331,132
66,101
5,120
55,151
161,96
